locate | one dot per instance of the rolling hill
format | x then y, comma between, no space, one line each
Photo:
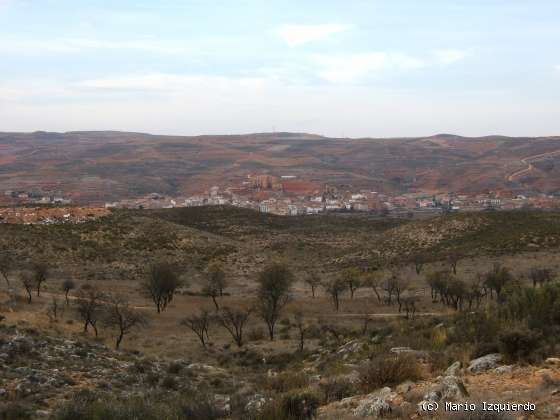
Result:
103,166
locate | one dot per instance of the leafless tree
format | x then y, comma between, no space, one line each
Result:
234,320
28,283
302,328
89,306
409,305
40,273
313,281
334,288
54,310
419,260
161,285
352,277
6,262
374,280
453,257
217,277
68,285
199,324
122,317
541,276
274,287
389,286
215,283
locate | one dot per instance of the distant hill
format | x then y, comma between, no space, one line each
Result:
108,165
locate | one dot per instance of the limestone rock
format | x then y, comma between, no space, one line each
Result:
490,361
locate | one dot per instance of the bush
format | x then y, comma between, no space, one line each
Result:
389,371
169,382
287,381
174,368
300,405
14,411
336,389
295,405
89,406
255,334
520,344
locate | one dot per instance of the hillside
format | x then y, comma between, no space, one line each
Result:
104,166
120,245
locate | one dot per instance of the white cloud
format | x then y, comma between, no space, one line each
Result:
75,45
557,67
450,56
169,82
296,35
353,67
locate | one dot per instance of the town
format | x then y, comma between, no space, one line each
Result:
288,196
280,195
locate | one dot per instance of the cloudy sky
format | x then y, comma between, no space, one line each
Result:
333,67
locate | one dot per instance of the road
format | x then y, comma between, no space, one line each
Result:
527,161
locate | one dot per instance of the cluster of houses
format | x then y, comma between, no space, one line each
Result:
331,200
49,215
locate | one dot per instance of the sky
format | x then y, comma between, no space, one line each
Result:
348,68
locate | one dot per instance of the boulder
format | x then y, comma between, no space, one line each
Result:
447,388
454,369
502,370
553,361
255,403
376,404
484,363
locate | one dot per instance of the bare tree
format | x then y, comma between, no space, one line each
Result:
5,266
122,317
389,286
274,286
419,260
215,283
541,276
40,274
352,277
302,328
373,280
89,306
217,277
400,286
199,324
54,310
29,284
409,304
234,320
161,285
68,285
334,288
453,257
497,278
313,281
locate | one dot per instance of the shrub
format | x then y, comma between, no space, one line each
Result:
14,411
295,405
169,382
300,405
174,368
520,344
287,381
255,334
336,389
389,371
